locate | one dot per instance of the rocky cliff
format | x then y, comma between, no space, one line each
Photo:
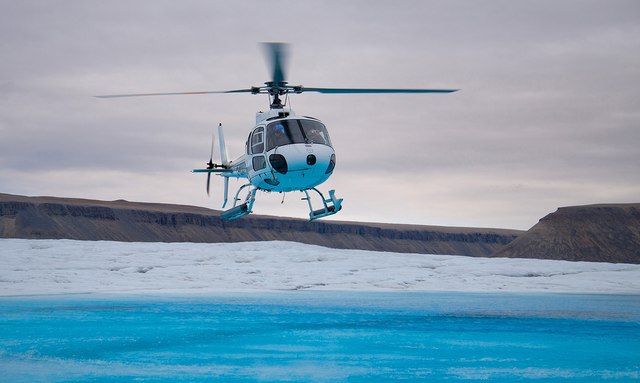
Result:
601,233
51,217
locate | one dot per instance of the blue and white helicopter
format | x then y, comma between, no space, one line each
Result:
284,152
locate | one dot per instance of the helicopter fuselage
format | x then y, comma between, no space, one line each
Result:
285,153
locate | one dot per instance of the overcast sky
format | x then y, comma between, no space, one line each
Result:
548,114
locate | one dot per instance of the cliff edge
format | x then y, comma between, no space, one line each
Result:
66,218
597,233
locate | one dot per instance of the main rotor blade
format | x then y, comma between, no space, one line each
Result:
277,56
370,90
250,90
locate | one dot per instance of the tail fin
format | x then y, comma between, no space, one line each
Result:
223,147
226,191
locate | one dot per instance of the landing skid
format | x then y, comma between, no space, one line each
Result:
239,211
331,205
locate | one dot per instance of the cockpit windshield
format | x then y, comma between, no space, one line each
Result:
298,131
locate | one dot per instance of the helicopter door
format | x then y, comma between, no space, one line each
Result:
256,147
257,141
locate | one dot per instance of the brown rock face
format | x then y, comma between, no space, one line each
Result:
597,233
58,218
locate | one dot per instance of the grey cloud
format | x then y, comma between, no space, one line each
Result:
547,114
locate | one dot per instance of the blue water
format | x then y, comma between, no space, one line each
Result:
321,337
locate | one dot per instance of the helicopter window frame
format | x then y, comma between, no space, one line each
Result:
257,140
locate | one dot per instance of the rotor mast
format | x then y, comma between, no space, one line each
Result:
276,90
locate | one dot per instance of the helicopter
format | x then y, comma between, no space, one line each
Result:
284,152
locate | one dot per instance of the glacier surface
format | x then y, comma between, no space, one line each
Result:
33,267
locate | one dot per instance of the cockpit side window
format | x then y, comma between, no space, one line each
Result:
257,141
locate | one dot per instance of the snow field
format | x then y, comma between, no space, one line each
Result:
66,266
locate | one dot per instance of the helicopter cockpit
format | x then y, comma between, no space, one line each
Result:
296,131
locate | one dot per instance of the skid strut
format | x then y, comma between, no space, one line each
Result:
239,211
330,206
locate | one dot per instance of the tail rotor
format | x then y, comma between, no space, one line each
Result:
210,164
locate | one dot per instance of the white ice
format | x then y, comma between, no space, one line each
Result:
64,267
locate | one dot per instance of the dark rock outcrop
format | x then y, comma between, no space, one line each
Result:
51,217
596,233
